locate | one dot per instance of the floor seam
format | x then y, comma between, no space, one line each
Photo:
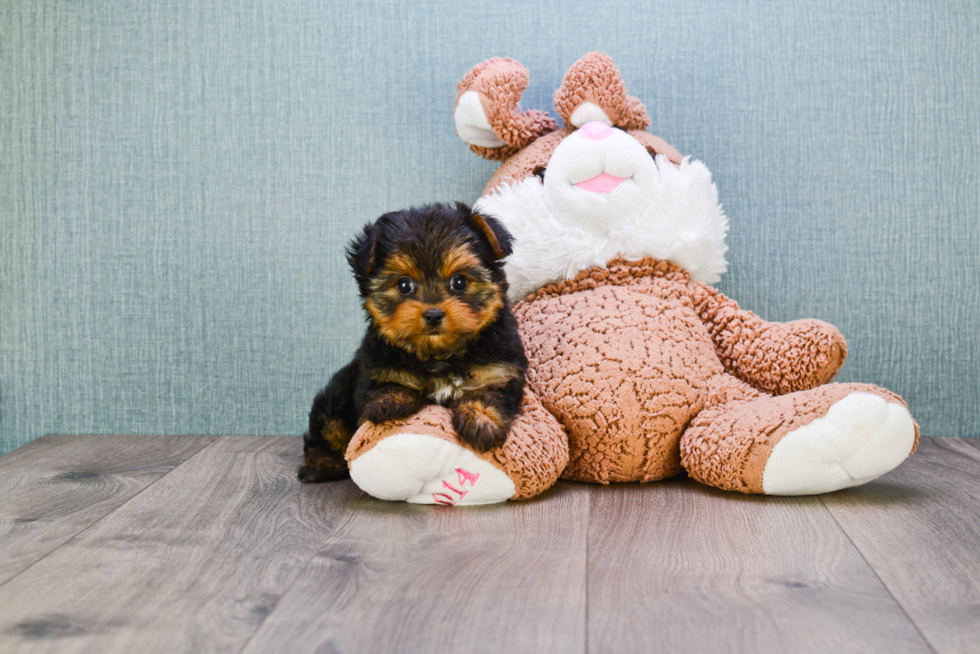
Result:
588,539
881,581
942,441
103,517
299,574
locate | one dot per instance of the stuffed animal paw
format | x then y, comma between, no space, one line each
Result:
421,459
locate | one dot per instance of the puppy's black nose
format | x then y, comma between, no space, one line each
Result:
433,317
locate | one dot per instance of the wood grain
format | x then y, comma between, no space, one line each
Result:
919,527
192,564
403,578
111,544
57,486
676,566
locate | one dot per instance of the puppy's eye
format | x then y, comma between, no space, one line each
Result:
457,283
405,285
539,172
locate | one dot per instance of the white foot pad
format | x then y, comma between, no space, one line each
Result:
423,469
861,438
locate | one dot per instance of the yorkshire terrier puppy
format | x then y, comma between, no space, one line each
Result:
440,331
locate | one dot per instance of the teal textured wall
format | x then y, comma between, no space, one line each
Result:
178,179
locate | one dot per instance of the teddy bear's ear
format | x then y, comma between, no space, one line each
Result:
488,115
593,90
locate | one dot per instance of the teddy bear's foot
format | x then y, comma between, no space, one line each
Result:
424,469
804,443
421,460
859,439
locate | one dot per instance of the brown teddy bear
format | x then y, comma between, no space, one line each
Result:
645,368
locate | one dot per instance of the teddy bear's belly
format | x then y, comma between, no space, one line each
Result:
624,372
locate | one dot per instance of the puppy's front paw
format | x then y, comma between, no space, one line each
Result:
391,404
479,425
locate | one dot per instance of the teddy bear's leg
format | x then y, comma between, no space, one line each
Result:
420,460
813,441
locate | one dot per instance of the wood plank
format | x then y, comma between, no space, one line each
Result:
919,528
57,486
192,564
677,566
405,578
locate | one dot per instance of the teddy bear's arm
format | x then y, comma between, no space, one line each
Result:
774,357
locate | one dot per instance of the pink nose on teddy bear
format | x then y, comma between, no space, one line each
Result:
595,131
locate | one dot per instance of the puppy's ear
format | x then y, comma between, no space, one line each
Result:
492,230
362,251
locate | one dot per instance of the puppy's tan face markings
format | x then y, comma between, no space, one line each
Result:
452,280
460,260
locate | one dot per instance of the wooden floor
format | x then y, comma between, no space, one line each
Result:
200,544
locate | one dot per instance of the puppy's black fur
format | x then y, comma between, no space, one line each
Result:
440,331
